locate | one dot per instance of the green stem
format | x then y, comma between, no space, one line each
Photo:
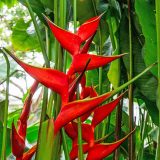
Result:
4,139
158,56
14,72
100,69
130,94
38,34
80,143
140,157
120,88
65,146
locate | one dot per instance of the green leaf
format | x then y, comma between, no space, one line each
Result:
48,3
32,133
92,78
113,73
45,147
37,7
146,84
146,14
24,36
9,3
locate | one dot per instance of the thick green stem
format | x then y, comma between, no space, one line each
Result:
38,34
158,56
4,138
100,69
80,143
130,94
65,146
120,88
140,157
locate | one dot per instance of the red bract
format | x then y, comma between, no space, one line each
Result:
18,143
74,151
102,112
28,155
79,62
80,79
75,109
86,46
53,79
18,137
98,151
67,39
87,133
104,149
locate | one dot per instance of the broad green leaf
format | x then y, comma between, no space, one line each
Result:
154,134
113,74
146,84
45,147
92,78
48,3
146,14
9,3
24,37
32,133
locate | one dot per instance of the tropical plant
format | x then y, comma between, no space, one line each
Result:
78,114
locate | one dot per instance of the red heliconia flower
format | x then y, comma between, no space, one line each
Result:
72,110
18,136
28,155
75,83
18,143
87,92
74,152
53,79
79,62
104,150
67,39
99,150
86,46
102,112
87,134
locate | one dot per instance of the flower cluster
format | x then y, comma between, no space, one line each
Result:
90,103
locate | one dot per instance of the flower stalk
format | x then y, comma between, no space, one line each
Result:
4,138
